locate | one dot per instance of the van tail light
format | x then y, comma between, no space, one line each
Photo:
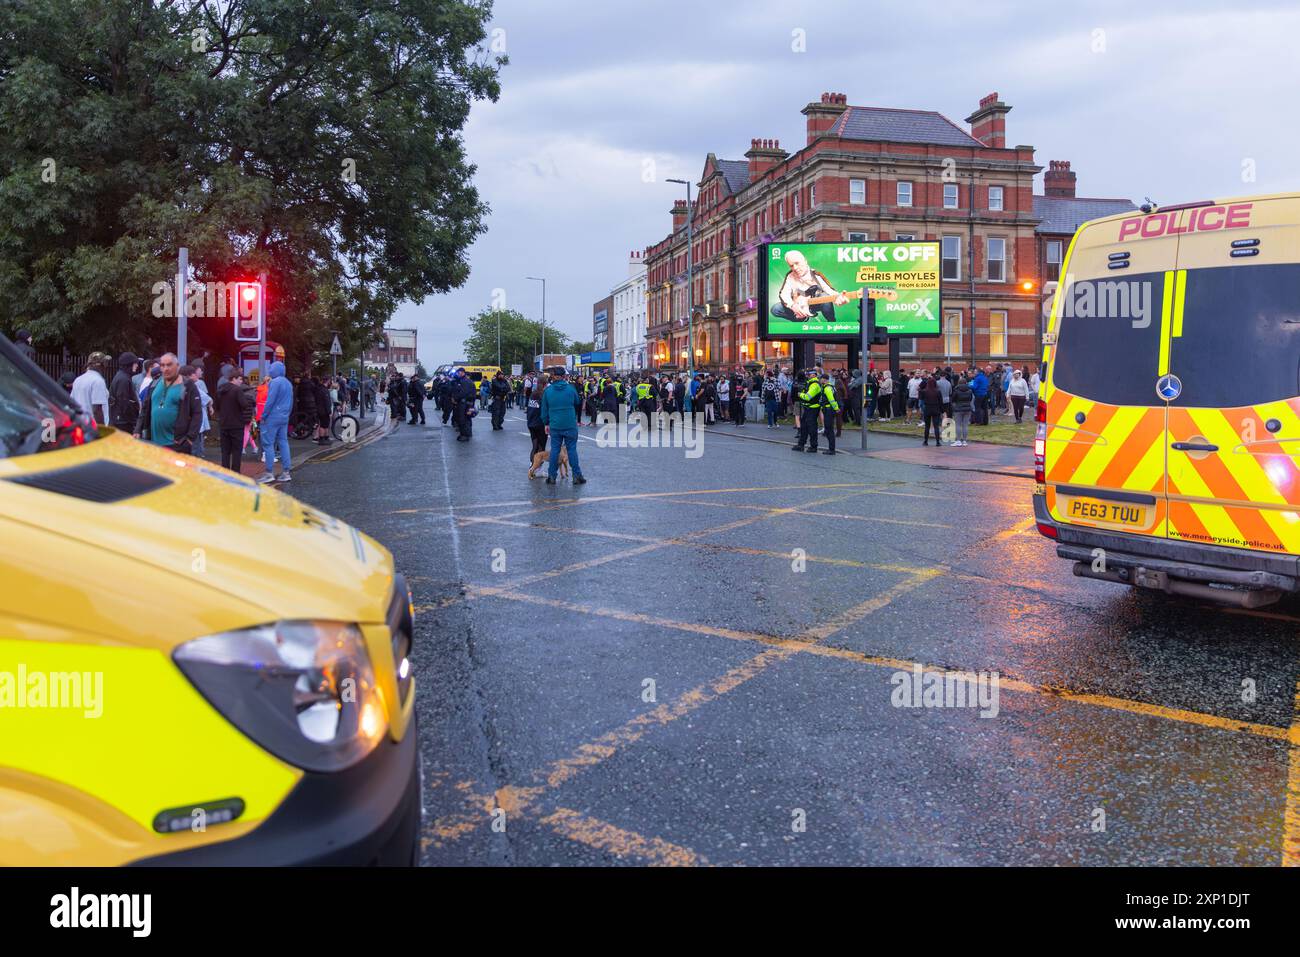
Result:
1040,442
1048,530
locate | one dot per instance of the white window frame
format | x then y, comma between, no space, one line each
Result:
905,237
898,192
907,345
956,196
943,240
1001,203
1060,247
859,237
995,353
949,333
859,187
991,259
812,195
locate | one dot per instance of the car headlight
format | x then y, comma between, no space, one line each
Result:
303,690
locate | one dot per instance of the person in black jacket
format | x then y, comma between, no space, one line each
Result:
415,399
304,402
500,388
324,410
235,407
123,403
462,396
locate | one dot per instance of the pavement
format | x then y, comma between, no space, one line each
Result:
301,451
711,660
989,457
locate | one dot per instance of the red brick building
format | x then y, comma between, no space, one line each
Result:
866,174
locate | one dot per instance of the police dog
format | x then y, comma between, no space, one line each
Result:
540,460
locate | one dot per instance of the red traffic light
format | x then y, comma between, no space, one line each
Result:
249,313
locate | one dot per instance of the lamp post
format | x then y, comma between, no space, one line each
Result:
542,280
690,277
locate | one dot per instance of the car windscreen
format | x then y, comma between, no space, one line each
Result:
34,417
1108,339
1240,341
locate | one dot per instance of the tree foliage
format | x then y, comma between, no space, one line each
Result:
521,339
318,142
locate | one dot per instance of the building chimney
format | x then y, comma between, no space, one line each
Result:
822,116
1058,180
988,124
635,264
762,156
679,214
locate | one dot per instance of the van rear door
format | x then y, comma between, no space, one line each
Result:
1104,449
1234,346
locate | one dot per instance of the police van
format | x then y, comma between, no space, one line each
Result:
1169,416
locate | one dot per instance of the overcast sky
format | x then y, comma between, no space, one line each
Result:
1173,99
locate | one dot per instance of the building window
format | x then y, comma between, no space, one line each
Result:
949,195
904,193
997,332
812,195
952,333
796,204
857,191
905,237
997,260
708,288
1053,259
857,237
907,346
995,198
951,258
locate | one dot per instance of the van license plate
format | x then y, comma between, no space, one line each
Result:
1117,513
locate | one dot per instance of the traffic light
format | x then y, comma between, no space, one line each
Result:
249,312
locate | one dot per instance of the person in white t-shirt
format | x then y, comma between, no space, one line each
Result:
90,390
724,397
914,398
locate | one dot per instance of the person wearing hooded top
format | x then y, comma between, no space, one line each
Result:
275,424
123,403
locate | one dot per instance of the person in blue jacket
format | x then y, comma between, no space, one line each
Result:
980,386
275,424
559,414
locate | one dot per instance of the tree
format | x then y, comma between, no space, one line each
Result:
420,370
318,142
520,339
580,347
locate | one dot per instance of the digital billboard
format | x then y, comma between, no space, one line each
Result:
813,290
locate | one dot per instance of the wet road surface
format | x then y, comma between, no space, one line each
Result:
701,661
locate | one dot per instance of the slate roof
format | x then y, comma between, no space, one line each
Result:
736,174
1061,214
900,126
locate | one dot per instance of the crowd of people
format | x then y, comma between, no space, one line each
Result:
178,405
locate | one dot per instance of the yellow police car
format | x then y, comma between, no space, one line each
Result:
193,669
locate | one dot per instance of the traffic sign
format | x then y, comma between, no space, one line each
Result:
336,349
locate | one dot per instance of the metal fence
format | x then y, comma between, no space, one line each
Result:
54,364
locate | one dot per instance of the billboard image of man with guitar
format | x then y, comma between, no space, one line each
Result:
801,284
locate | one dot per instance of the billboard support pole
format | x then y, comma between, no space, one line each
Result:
867,326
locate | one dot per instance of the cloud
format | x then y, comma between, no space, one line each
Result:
1183,93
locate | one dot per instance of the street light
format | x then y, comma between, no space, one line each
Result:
690,269
543,282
